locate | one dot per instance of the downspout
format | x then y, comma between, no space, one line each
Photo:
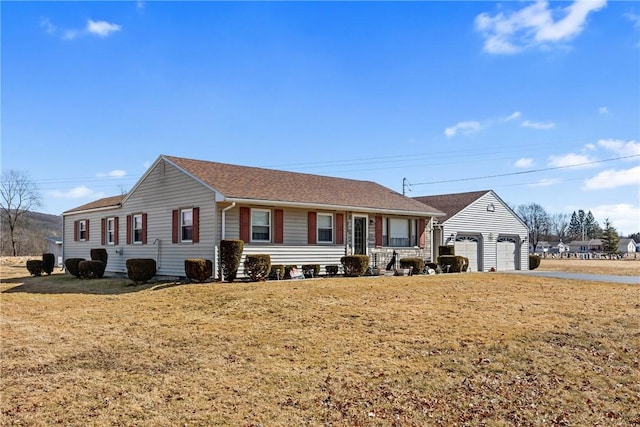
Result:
223,233
62,267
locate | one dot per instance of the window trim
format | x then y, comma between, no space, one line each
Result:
332,228
83,228
110,232
269,225
181,225
133,229
413,234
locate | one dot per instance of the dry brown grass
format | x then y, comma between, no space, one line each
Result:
460,349
625,267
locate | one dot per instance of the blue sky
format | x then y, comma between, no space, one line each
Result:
531,99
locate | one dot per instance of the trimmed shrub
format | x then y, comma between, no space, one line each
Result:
92,269
277,272
198,269
465,265
230,256
332,270
432,265
35,267
451,263
257,267
534,262
311,270
99,254
354,265
417,264
141,270
447,250
48,263
71,264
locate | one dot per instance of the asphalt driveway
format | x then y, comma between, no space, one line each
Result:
631,280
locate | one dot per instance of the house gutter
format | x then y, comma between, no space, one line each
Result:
104,208
224,220
331,207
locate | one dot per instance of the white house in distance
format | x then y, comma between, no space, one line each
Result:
182,208
482,228
627,246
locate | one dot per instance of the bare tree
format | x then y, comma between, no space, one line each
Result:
559,224
19,195
537,219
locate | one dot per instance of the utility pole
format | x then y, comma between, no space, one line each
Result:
406,185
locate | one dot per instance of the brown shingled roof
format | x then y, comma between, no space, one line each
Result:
106,202
251,183
451,204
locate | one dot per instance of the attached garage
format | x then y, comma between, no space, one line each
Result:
469,247
482,228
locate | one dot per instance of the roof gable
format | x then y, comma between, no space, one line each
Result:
451,204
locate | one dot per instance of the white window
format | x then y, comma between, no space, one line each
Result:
260,225
399,232
325,228
137,228
111,231
186,225
82,230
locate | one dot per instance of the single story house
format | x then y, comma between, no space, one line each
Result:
182,208
627,246
482,228
586,246
547,248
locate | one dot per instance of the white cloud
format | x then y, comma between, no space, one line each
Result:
513,116
47,25
534,25
570,159
634,18
140,5
613,179
623,216
102,28
116,173
538,125
546,182
79,192
465,128
621,148
525,162
603,111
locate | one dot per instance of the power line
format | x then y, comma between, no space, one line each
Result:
526,172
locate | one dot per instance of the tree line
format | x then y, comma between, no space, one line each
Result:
561,227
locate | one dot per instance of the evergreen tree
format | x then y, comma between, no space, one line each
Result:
583,226
610,238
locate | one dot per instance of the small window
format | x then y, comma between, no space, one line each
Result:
82,230
137,228
399,232
111,231
186,225
325,228
260,225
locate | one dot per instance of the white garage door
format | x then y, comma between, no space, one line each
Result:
506,254
468,246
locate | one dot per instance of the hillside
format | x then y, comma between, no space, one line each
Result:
31,235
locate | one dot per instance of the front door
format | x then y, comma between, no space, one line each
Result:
360,235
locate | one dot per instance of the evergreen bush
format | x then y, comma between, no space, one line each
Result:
71,264
198,269
534,262
99,254
447,250
416,264
141,270
48,263
451,263
311,270
34,266
257,266
332,270
92,269
354,265
230,256
277,272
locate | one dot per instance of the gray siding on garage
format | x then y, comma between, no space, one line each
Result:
477,219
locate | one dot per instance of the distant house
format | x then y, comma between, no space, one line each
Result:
627,246
182,208
548,248
586,246
482,228
54,246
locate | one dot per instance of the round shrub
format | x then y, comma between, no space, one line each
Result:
92,269
141,270
332,270
99,254
35,267
48,263
416,264
534,262
277,272
257,266
354,265
71,264
447,250
198,269
451,263
230,255
311,270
